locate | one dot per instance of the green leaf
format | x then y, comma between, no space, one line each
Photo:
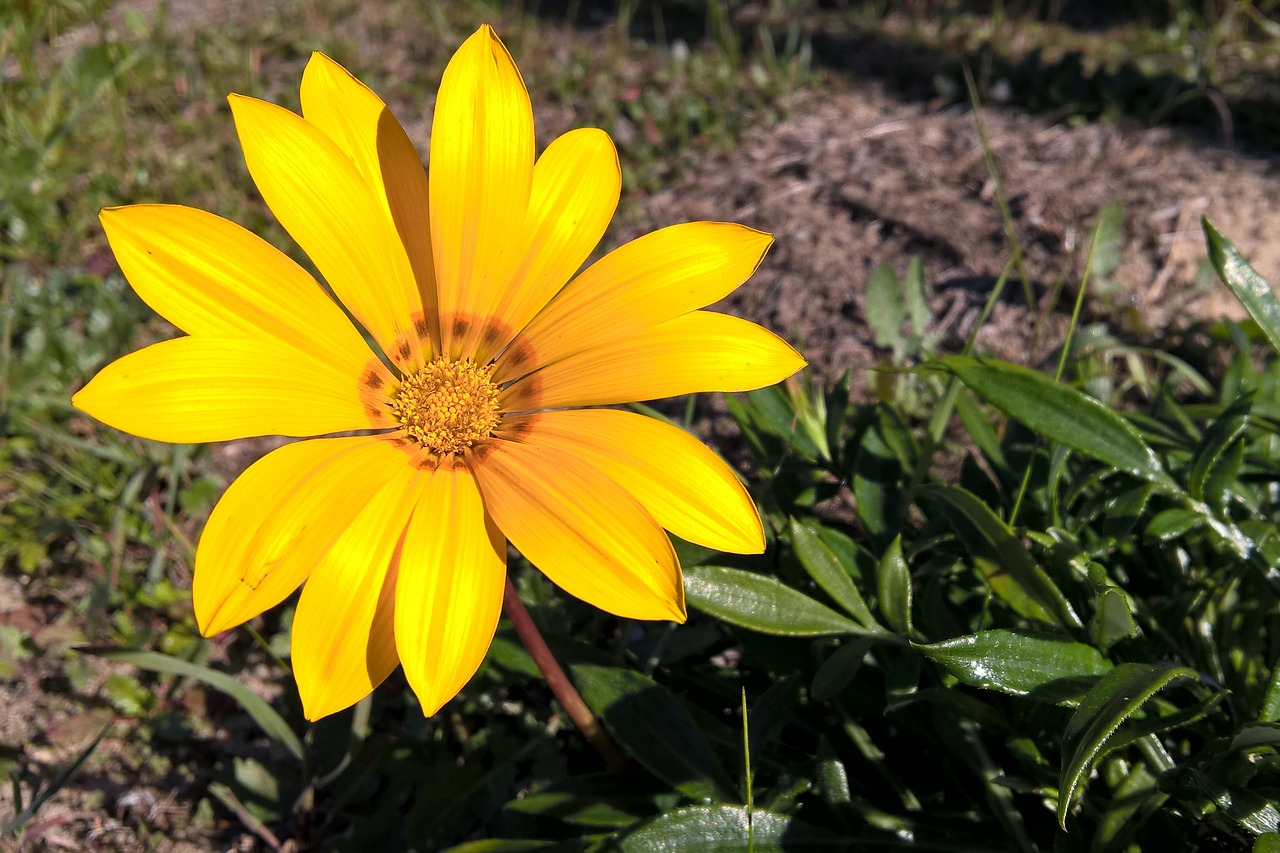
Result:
893,583
1172,524
839,669
1061,414
879,467
1243,281
1116,697
1109,240
1010,571
1270,711
501,845
1053,669
1112,619
825,568
1213,454
654,729
762,604
884,306
725,829
1268,843
253,704
914,296
1124,510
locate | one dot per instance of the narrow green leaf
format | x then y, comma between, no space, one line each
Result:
761,603
894,588
1112,619
1125,509
1052,669
1243,281
725,829
1115,698
1061,414
825,568
979,430
833,778
884,306
914,296
1172,524
253,704
839,669
880,460
1109,240
1219,438
1010,571
1270,711
24,816
501,845
654,729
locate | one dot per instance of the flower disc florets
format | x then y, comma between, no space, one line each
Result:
448,405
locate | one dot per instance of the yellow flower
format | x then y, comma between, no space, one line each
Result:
478,396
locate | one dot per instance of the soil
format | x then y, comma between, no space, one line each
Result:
848,180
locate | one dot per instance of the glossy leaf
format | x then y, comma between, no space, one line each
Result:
1114,699
825,568
1009,569
894,588
724,829
1053,669
653,728
1214,456
1253,291
1061,414
760,603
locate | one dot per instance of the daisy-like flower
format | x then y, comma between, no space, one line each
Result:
479,404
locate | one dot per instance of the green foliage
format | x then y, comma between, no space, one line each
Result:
1073,628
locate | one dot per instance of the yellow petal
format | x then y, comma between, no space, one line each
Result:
314,188
343,641
449,590
363,126
684,486
214,389
699,351
651,279
580,529
481,170
276,519
209,276
576,183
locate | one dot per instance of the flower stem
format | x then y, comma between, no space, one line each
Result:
559,683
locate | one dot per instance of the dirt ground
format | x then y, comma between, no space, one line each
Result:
847,181
862,178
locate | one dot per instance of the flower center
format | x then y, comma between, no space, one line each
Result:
448,405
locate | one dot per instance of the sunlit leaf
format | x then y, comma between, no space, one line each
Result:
1115,698
1053,669
1003,560
761,603
1061,414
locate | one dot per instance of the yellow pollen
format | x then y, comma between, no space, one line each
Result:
448,405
